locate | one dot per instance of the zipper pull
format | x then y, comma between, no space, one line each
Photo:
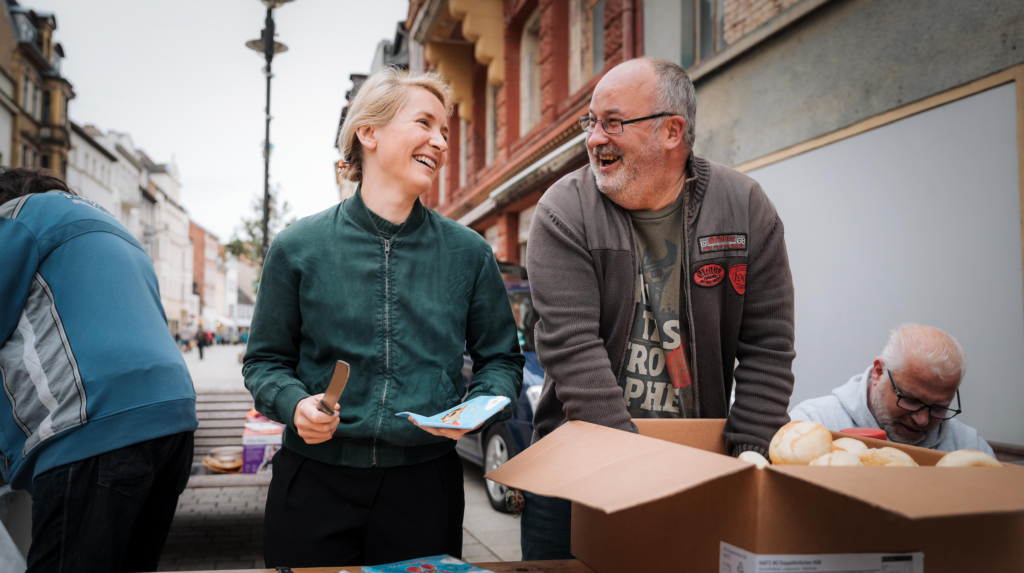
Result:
387,247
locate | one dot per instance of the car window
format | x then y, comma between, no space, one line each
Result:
526,318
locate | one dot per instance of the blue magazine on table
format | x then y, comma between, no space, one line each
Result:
435,564
464,416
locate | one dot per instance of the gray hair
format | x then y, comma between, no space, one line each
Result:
676,95
938,350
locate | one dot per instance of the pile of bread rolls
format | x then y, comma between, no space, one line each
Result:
803,443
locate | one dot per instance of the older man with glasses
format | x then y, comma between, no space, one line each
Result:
912,391
653,271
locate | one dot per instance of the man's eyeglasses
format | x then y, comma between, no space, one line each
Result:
913,405
613,125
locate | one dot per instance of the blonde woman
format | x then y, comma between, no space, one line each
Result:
398,292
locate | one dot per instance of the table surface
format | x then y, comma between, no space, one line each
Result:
570,566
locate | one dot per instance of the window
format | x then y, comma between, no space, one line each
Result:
44,161
25,90
463,151
529,74
24,155
46,108
597,35
491,144
684,31
586,42
35,102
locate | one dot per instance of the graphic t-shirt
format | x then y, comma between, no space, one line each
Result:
655,378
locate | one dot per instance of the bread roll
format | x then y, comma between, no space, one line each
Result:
848,445
837,458
890,457
754,458
799,442
967,458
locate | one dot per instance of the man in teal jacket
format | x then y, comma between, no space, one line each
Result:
98,410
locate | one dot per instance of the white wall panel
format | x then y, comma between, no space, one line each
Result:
916,221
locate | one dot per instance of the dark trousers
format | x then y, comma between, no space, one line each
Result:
323,515
545,530
110,512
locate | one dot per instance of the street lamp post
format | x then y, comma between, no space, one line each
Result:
266,46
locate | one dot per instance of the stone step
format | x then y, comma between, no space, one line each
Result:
214,406
223,396
204,432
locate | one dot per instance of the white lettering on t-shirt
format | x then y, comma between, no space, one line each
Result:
637,358
671,328
671,401
636,388
656,362
653,399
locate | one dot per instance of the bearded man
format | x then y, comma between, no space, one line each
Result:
659,278
909,391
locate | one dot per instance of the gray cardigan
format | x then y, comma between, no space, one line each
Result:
847,407
582,264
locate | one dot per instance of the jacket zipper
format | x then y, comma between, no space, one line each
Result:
387,344
689,305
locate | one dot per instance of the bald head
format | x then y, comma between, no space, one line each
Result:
927,348
919,367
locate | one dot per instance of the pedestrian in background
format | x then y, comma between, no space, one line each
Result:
398,292
201,342
100,409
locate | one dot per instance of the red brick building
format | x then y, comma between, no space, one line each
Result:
523,72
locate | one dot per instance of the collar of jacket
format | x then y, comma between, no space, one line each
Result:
360,213
700,170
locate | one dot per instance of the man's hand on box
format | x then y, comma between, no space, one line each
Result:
313,425
448,432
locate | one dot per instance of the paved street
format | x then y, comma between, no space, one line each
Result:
219,527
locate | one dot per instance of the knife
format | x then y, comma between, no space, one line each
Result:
334,390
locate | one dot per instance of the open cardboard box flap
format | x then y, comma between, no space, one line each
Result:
611,470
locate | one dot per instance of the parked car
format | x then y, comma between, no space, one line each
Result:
501,442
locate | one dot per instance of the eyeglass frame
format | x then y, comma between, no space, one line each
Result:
622,122
899,397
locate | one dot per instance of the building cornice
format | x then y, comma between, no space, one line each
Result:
88,138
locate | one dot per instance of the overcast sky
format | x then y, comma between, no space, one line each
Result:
177,76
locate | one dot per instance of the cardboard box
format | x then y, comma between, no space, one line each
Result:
260,442
666,500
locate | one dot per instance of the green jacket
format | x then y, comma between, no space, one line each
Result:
399,311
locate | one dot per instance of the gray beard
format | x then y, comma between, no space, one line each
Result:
631,183
888,423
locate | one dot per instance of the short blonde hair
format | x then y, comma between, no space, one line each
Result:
376,104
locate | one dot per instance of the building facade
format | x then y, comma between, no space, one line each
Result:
92,168
205,257
886,133
167,238
41,135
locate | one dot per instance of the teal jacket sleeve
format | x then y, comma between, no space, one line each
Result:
274,337
492,340
20,261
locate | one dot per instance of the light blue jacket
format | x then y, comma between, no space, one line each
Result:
86,360
847,407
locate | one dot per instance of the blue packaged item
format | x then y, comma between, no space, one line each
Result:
464,416
435,564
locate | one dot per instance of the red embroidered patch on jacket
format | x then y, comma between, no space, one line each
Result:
738,278
709,275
